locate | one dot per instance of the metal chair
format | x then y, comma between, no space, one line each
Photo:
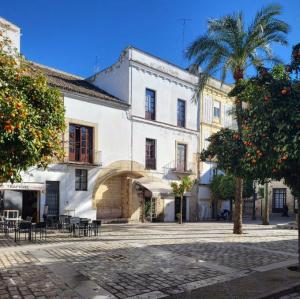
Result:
25,228
64,222
85,226
41,228
4,226
95,227
74,225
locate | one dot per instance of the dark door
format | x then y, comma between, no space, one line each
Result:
177,208
30,205
279,200
52,198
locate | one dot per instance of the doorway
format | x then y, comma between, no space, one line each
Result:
30,205
177,208
52,199
150,208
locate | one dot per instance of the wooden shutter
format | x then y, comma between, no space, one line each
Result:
72,143
207,109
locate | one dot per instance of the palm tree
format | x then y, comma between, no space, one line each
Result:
228,46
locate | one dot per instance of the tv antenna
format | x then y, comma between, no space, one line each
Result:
97,64
184,22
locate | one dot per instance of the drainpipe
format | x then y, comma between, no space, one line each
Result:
199,110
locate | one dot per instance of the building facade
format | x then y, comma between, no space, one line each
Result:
131,130
123,146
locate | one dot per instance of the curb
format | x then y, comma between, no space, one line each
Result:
282,292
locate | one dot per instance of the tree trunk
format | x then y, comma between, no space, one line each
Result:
238,206
298,220
238,210
181,204
266,220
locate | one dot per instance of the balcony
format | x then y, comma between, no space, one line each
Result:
180,169
95,159
183,169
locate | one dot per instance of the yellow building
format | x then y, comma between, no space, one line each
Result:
215,113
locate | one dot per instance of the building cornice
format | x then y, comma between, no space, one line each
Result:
164,125
161,74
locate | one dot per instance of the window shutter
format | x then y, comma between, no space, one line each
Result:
224,115
72,143
207,110
206,135
227,116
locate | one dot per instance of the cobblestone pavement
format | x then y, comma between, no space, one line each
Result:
141,261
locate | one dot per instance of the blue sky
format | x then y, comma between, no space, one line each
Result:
79,36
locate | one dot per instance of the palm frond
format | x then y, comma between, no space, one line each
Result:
228,46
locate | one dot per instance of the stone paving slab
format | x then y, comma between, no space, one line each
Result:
265,285
141,261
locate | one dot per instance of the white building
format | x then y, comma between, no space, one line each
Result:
124,145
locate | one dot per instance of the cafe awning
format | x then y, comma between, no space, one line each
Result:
155,185
23,186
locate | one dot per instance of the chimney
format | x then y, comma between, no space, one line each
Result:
12,31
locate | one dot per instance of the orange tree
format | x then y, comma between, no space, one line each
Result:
31,116
271,125
228,148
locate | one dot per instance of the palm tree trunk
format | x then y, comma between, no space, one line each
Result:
266,217
181,204
238,207
298,221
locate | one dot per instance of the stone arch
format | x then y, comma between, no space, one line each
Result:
113,188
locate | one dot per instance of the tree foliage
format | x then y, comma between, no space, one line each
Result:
223,187
185,185
227,147
271,124
230,46
215,187
31,116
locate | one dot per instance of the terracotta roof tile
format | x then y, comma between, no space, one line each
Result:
72,83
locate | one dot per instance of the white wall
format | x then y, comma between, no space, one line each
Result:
169,209
167,93
114,79
165,146
12,32
170,83
158,64
113,141
113,127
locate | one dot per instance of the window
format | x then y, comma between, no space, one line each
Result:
150,104
217,109
81,179
80,143
279,199
150,154
180,113
181,157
